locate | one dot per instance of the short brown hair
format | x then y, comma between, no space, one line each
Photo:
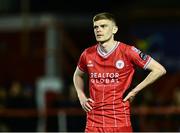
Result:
104,15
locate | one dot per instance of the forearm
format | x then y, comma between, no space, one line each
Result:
79,86
156,71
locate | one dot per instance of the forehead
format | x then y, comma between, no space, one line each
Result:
102,22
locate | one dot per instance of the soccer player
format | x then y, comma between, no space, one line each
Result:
110,65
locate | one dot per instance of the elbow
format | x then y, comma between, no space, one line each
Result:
162,71
74,77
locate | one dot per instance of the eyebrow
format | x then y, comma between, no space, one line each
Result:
100,25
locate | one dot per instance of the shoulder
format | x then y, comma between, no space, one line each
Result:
91,49
125,46
88,51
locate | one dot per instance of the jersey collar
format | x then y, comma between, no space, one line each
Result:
103,54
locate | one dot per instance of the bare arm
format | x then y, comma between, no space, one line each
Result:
156,71
79,86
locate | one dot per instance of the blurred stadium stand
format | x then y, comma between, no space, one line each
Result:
41,41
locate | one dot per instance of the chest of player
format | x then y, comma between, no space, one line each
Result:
113,65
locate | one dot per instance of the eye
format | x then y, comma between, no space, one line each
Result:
104,25
95,27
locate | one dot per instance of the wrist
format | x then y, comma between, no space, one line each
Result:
81,97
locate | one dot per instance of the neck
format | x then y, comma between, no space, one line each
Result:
107,46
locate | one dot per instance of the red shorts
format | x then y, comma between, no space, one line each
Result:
108,129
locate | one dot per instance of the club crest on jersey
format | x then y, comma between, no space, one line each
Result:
119,64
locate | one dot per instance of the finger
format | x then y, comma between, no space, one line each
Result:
84,109
86,106
126,98
90,100
131,98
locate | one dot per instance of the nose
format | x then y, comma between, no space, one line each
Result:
98,29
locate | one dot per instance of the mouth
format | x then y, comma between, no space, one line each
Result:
99,35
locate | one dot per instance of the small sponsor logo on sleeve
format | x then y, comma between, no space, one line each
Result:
143,56
136,50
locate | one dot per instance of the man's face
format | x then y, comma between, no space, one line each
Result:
104,30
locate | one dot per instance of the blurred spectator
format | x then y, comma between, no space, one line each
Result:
20,98
15,95
176,97
148,97
3,98
176,102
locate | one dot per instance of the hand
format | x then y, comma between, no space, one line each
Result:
86,104
131,95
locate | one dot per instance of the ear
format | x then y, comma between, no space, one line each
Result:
115,29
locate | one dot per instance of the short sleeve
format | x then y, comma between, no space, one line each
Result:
138,57
82,62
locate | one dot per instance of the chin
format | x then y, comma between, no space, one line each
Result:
100,40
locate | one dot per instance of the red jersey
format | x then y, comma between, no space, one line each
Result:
110,75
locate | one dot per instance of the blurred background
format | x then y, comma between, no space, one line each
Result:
40,44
